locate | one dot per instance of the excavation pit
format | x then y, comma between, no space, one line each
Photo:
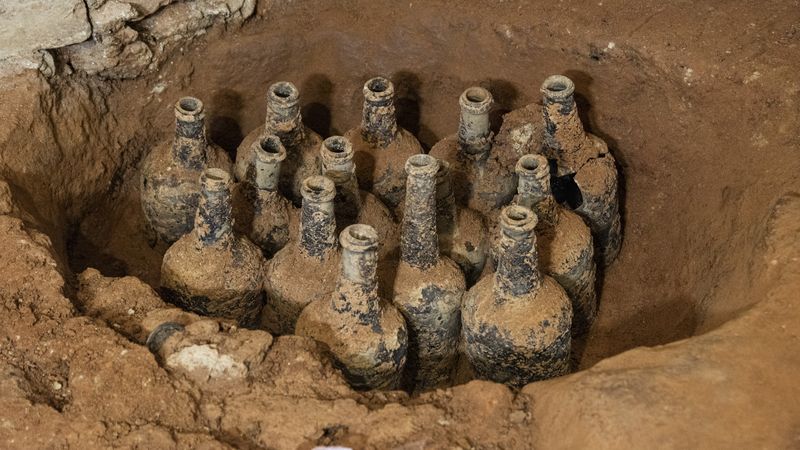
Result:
702,287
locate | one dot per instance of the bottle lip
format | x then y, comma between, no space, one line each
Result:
476,100
318,188
517,221
284,94
533,165
378,90
359,238
422,165
189,109
557,88
214,179
337,147
269,149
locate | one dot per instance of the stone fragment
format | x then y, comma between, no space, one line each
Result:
29,25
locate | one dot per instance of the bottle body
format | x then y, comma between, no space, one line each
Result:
516,324
261,212
304,270
302,144
365,334
381,147
483,180
169,186
586,159
428,287
462,232
564,242
211,270
352,204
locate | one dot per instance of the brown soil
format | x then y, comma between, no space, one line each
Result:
696,331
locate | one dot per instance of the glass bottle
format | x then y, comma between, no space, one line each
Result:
583,158
302,144
353,205
483,180
366,334
427,286
462,233
381,146
212,270
306,269
169,178
516,324
564,242
261,212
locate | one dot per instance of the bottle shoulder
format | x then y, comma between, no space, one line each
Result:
443,283
236,267
565,244
290,269
549,303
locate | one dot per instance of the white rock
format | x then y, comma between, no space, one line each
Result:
30,25
206,360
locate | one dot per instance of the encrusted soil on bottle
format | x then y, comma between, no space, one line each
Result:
697,316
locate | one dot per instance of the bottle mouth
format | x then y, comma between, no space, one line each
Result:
378,89
189,109
283,93
533,165
359,238
517,221
338,147
476,100
270,149
422,165
318,188
558,88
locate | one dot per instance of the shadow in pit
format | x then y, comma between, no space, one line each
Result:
223,129
317,89
505,96
408,106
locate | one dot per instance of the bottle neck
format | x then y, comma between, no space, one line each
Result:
379,121
267,175
446,209
189,145
214,219
517,271
474,134
348,196
563,131
357,289
285,122
419,244
317,228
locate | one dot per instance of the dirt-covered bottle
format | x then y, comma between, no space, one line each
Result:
212,270
169,184
302,144
261,211
427,286
462,232
306,268
354,205
483,180
516,324
564,242
365,334
583,160
381,146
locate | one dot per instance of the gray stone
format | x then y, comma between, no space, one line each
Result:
30,25
111,16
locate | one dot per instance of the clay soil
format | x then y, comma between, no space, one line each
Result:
695,341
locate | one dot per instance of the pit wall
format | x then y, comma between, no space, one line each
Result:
109,38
